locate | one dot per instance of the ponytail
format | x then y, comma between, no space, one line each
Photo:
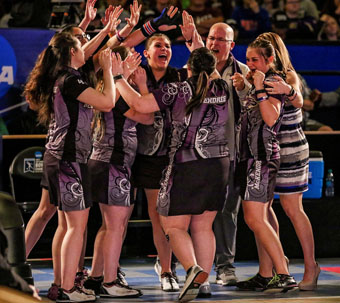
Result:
200,92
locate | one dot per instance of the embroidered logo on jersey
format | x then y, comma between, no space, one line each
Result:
87,105
215,100
80,81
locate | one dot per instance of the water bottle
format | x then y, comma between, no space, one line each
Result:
329,191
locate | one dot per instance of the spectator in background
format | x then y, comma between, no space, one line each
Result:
204,16
310,8
251,19
5,8
125,14
330,30
331,8
272,6
293,23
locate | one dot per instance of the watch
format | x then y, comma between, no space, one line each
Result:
117,77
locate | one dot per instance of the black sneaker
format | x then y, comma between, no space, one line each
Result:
94,284
226,277
281,283
256,283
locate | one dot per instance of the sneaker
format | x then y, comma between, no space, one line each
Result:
204,290
158,268
226,278
173,268
52,292
74,295
196,276
281,283
168,282
256,283
93,284
121,277
117,290
81,276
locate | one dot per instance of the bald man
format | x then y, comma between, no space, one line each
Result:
221,41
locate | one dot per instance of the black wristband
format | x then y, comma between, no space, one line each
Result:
292,92
189,41
260,91
117,77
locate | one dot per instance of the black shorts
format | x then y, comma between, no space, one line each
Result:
257,179
147,171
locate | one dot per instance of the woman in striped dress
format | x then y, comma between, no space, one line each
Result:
292,178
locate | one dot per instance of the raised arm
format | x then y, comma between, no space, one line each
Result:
192,38
270,107
90,14
142,104
166,21
105,100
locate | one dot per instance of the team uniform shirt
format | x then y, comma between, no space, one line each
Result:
200,135
69,133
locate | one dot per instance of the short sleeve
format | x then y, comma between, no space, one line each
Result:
74,85
170,92
121,106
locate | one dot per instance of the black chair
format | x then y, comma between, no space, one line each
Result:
13,227
25,173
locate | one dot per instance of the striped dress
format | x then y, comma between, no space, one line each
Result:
294,153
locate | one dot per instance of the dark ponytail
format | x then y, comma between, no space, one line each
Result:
202,63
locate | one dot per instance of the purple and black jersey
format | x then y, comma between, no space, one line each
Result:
154,139
69,134
118,145
258,140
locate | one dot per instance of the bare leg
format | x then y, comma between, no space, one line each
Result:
176,227
83,252
203,239
115,218
38,221
72,245
56,246
98,258
159,239
255,215
292,205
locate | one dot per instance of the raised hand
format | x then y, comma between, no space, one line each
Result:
105,60
117,65
139,76
188,26
238,81
131,63
105,19
90,10
135,14
113,19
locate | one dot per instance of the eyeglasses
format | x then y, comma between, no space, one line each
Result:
218,39
83,36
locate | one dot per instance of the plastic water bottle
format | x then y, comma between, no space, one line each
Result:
329,191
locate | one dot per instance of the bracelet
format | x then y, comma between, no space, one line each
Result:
260,91
291,92
117,77
291,98
119,37
261,99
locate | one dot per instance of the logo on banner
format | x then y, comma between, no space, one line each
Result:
34,165
8,66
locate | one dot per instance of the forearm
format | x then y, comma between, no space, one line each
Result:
84,23
134,39
124,33
269,112
109,90
91,46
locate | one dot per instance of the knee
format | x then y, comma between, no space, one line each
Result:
253,222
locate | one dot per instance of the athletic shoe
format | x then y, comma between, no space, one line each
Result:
226,277
74,295
121,277
168,282
173,268
204,290
52,292
94,284
256,283
117,290
81,276
281,283
158,268
195,277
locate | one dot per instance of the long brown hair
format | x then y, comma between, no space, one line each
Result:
48,67
202,63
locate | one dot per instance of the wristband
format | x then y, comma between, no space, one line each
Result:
189,41
119,37
291,92
261,99
292,97
117,77
260,91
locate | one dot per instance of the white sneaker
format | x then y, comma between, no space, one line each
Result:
117,290
158,268
168,282
196,276
74,295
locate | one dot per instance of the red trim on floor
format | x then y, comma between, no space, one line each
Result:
332,269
